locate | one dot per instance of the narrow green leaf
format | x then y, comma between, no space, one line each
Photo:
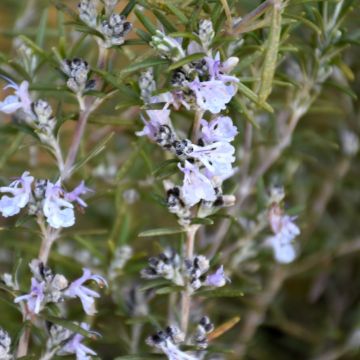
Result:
177,12
149,26
164,165
188,35
146,37
169,27
271,55
143,65
241,107
129,162
345,89
40,36
161,232
203,221
155,284
96,151
128,8
221,293
71,326
168,290
305,21
64,8
185,60
253,97
35,47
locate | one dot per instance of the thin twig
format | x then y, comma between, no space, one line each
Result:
186,294
196,126
240,27
229,20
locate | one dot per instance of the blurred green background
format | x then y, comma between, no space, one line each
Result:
307,310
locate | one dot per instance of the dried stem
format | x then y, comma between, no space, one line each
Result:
24,340
241,26
86,109
229,20
196,126
75,144
49,235
186,294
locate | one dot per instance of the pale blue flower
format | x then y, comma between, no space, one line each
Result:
219,129
20,189
212,95
74,195
284,253
5,345
75,346
216,157
157,118
196,186
20,100
219,70
58,211
35,298
218,279
282,242
86,295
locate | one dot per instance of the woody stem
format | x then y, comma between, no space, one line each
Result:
186,295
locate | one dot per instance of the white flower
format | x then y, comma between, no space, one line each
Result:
219,129
58,212
20,190
282,242
196,186
20,100
217,279
216,157
212,95
36,298
284,253
76,347
86,295
5,345
157,118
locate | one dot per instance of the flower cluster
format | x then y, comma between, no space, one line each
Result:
205,160
64,342
167,341
203,84
47,287
204,328
5,344
37,114
45,198
112,27
285,231
197,267
77,71
20,100
168,265
205,166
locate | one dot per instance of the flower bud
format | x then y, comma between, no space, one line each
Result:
206,33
